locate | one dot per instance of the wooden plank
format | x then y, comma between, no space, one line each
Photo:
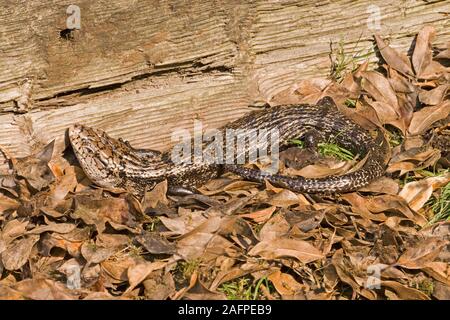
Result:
126,113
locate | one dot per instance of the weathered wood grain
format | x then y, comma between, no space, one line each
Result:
141,69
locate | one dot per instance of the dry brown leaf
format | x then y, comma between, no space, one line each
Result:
359,205
51,212
103,296
396,60
260,216
2,247
441,291
425,117
225,276
415,154
139,272
216,186
155,196
211,225
99,211
412,142
117,268
352,81
17,253
44,289
275,228
185,222
284,199
35,169
159,287
404,292
434,70
445,54
55,227
382,185
417,160
219,246
278,248
194,246
386,113
304,91
305,221
331,167
116,241
435,96
422,55
8,204
180,293
363,114
229,208
394,203
439,229
94,254
7,293
397,224
200,292
380,89
400,83
439,270
9,184
63,186
346,272
13,229
418,256
71,242
417,193
285,284
155,243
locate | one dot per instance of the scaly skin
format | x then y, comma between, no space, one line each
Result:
113,164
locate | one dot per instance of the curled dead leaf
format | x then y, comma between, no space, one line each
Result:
155,243
260,216
285,284
17,253
94,254
8,204
140,271
379,88
283,247
159,287
44,289
422,55
396,60
439,270
155,196
417,193
13,229
425,117
35,169
381,185
55,227
418,256
404,292
435,96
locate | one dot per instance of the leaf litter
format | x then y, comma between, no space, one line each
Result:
62,238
